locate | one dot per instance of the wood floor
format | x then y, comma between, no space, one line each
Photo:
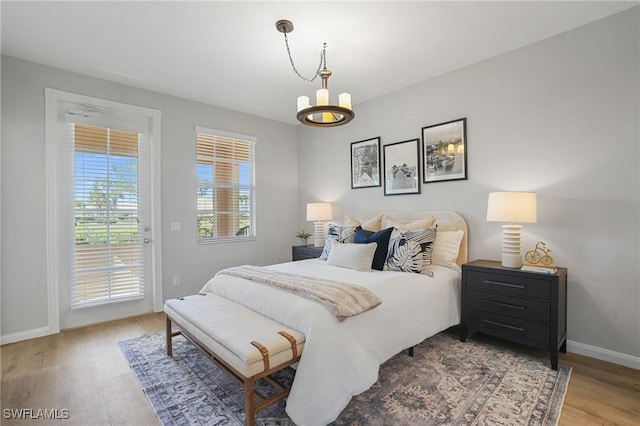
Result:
84,372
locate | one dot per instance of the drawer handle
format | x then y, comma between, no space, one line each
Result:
503,325
506,305
504,284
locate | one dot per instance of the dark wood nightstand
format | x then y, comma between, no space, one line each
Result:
305,252
524,307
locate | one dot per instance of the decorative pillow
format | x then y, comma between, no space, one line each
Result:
363,236
410,251
341,234
352,256
408,225
374,224
446,248
445,225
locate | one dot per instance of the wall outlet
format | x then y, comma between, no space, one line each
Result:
176,281
176,226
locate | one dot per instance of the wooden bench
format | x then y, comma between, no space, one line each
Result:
246,345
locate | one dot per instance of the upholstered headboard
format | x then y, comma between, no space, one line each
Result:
445,219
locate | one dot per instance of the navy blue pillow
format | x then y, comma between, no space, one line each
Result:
382,238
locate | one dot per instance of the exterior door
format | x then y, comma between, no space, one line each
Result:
104,234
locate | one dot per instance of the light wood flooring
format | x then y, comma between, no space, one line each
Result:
83,371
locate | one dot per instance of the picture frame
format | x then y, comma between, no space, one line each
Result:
365,163
402,167
444,151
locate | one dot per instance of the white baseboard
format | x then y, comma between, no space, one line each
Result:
25,335
603,354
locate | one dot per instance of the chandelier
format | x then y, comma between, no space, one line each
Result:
323,114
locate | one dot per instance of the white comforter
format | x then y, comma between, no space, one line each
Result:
342,359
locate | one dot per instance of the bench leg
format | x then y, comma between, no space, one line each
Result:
249,405
168,338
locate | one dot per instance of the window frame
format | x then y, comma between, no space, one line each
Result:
232,138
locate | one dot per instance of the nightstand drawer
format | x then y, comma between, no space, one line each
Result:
509,305
513,285
305,252
516,329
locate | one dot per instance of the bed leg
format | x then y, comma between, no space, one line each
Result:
410,351
249,406
168,338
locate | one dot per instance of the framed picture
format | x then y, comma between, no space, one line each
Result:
365,163
444,151
402,168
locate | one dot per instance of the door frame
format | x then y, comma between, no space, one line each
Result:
53,98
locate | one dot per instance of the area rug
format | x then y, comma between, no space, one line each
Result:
447,382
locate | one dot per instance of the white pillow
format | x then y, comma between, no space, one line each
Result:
407,225
445,225
446,248
374,224
352,255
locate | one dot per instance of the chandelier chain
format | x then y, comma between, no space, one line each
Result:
323,61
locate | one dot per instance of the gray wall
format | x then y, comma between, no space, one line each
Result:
560,118
24,270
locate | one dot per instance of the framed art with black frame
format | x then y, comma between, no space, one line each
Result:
444,151
365,163
402,168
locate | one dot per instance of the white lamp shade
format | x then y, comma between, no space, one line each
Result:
512,207
319,212
303,102
322,97
344,100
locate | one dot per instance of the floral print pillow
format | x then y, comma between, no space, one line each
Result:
410,251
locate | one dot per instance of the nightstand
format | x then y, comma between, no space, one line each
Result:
305,252
524,307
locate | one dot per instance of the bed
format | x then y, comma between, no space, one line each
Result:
342,358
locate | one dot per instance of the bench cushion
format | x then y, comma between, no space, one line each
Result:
228,328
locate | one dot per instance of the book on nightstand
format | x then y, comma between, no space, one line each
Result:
541,269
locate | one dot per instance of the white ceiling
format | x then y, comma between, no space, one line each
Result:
229,54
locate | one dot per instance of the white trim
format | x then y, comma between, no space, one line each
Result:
51,109
26,335
156,216
224,134
603,354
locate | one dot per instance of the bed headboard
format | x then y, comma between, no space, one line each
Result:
448,217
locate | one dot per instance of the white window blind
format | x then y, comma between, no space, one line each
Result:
107,259
225,195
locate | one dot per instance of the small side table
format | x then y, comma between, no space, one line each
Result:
305,252
524,307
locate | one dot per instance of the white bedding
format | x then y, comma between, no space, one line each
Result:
341,359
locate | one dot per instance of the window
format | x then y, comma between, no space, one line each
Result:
225,191
107,260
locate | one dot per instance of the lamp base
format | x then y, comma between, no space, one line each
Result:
318,234
511,257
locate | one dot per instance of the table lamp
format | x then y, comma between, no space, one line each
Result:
318,213
511,207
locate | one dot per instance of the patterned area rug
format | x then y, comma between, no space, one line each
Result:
446,383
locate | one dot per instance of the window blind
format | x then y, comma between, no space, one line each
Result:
107,259
225,186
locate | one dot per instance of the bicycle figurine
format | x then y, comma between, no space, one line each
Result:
539,255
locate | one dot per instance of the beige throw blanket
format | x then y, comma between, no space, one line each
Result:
342,299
